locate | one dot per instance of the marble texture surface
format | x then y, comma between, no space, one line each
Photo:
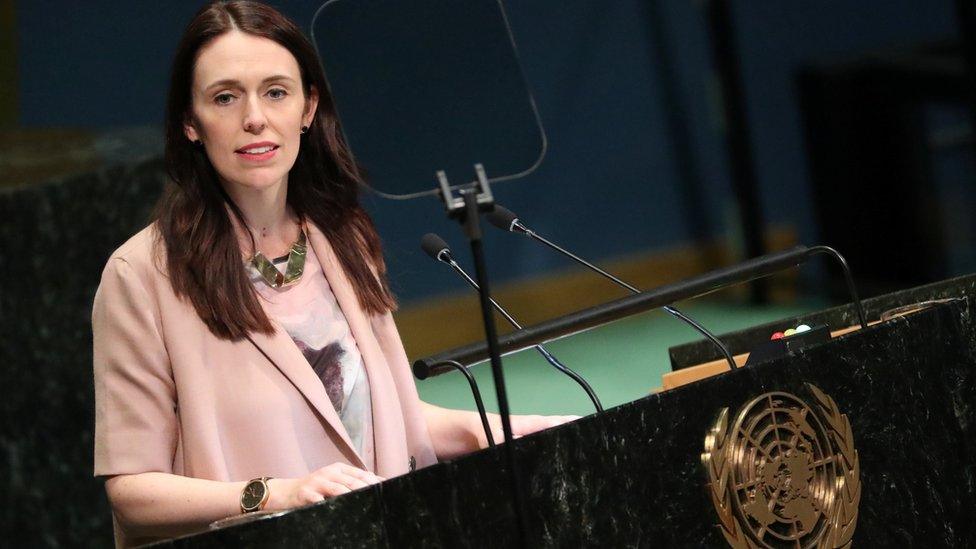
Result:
632,477
56,238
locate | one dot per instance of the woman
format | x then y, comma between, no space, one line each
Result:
228,382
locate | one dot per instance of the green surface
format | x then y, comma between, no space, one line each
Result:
622,361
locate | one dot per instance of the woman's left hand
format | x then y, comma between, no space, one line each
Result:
458,432
521,426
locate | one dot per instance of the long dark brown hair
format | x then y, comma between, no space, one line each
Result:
203,256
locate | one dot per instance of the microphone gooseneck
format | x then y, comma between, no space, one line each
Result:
434,246
506,220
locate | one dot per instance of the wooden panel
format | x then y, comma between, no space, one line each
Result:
698,372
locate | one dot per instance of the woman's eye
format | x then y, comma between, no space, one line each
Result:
277,93
223,99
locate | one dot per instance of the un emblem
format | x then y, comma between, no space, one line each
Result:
786,474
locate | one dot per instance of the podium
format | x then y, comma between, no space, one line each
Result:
636,475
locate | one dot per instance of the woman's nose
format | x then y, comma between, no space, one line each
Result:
254,119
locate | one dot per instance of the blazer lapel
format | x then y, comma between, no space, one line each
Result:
281,351
388,427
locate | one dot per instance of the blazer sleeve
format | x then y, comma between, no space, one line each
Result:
135,395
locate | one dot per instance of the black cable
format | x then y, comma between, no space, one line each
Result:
848,277
542,350
438,250
477,398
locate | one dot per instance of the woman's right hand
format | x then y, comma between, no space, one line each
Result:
329,481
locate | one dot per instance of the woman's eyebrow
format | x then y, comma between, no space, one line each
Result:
230,82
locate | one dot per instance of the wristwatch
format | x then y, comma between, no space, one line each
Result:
255,495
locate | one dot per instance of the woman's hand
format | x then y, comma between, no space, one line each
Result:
326,482
456,432
526,425
522,425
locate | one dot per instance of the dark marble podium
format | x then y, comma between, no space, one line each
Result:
632,476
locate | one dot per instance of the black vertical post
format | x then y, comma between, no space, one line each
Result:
741,161
472,228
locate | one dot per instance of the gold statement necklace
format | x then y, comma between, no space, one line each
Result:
293,272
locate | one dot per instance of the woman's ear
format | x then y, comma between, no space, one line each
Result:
311,104
190,131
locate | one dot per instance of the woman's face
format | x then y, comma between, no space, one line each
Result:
248,108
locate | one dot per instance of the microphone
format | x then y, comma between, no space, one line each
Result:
506,220
434,246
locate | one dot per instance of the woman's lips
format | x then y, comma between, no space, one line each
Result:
252,154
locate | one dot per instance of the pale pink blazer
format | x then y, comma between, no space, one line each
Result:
171,397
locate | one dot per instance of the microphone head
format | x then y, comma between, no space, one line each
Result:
434,246
503,218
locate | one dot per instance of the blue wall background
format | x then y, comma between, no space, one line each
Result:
609,185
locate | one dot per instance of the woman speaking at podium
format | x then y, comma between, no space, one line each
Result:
245,355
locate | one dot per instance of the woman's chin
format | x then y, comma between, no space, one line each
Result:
255,182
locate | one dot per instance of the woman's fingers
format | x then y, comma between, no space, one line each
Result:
352,482
347,469
308,495
326,488
361,474
526,425
333,488
329,481
559,420
340,478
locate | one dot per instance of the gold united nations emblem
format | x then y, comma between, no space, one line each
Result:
786,474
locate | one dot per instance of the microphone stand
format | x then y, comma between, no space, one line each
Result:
467,209
599,315
516,224
542,350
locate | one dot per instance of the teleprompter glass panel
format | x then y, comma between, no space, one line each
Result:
428,85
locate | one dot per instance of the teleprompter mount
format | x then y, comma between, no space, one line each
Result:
474,199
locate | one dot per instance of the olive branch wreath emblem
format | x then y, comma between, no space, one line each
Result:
839,530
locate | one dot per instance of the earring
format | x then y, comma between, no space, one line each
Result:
304,129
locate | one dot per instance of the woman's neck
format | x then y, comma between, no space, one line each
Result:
272,223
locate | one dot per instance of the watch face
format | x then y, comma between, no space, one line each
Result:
252,495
